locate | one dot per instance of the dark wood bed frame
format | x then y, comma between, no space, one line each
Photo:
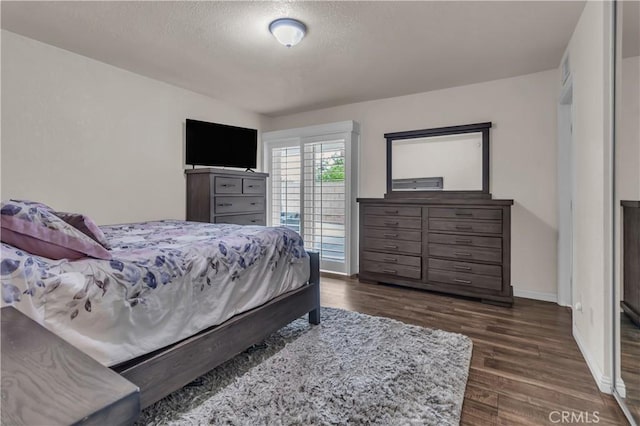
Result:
159,373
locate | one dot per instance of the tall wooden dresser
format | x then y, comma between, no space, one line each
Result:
458,246
226,196
631,260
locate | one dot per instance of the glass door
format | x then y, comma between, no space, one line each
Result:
324,201
309,192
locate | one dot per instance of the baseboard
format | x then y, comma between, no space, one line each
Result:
621,388
602,380
537,295
338,275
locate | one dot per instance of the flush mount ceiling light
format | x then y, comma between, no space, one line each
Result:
288,31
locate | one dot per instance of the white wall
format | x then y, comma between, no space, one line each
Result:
85,136
523,155
588,55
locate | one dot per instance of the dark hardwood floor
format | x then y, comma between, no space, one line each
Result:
525,363
630,363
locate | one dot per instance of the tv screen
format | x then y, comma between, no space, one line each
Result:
212,144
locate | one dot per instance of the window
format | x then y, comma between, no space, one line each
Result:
312,176
324,200
285,187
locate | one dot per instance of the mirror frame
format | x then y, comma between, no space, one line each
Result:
442,131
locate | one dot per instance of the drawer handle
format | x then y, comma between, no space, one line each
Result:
249,186
389,271
225,204
228,185
458,280
254,204
463,213
254,220
390,247
391,211
463,241
391,223
465,227
391,235
462,268
460,253
390,259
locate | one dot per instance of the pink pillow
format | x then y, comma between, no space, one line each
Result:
32,204
85,225
38,231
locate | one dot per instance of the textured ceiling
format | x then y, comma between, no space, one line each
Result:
354,51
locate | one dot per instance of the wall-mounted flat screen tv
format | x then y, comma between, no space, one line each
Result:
212,144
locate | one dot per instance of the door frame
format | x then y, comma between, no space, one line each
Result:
566,195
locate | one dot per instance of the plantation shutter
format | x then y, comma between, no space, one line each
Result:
285,187
325,201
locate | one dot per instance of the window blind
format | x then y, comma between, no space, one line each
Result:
285,187
324,198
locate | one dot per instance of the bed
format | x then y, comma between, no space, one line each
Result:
176,299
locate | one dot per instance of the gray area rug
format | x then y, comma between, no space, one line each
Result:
351,369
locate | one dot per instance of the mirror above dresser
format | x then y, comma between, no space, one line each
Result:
438,227
452,159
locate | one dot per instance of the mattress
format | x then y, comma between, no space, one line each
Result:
167,281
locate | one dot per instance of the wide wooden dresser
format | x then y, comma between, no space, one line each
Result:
226,196
457,246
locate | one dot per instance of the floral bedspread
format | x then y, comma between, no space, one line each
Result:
167,280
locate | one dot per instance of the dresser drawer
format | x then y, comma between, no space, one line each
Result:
243,219
226,185
471,268
393,211
253,186
465,213
238,204
392,246
483,254
476,227
391,258
393,222
466,240
395,270
396,234
464,279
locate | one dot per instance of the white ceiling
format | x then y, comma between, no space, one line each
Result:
354,51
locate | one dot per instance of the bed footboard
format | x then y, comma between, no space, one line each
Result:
166,370
314,278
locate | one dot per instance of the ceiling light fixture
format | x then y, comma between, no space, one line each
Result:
288,31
